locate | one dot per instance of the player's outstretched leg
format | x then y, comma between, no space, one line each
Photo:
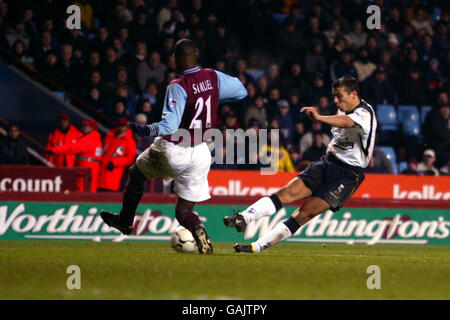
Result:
131,198
287,228
295,190
190,220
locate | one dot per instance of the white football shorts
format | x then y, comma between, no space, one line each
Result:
188,166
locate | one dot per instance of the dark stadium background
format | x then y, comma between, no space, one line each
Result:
285,52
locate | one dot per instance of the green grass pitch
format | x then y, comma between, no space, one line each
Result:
152,270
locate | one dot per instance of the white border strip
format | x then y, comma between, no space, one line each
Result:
97,237
351,241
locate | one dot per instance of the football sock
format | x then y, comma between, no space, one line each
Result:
132,196
263,207
282,231
130,203
188,219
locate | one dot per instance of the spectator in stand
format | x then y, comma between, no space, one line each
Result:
313,32
111,63
284,163
299,131
5,16
157,69
307,139
143,28
315,60
426,167
67,72
30,23
441,37
95,100
231,120
257,111
273,74
414,89
317,90
412,167
120,109
324,106
65,133
289,39
295,80
437,129
263,86
343,67
123,82
395,20
119,17
378,89
87,150
119,152
272,104
295,157
412,61
101,41
336,14
334,32
150,93
93,63
433,78
13,150
18,51
45,46
49,68
364,67
422,23
18,33
145,107
357,37
285,120
317,150
95,81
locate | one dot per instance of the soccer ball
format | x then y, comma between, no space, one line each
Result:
182,240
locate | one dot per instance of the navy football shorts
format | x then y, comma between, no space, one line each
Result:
332,180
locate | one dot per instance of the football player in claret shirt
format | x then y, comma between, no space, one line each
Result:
326,183
191,103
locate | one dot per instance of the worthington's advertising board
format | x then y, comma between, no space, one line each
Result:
78,220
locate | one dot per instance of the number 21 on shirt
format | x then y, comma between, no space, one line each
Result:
199,104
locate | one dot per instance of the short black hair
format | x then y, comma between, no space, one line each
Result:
347,82
185,47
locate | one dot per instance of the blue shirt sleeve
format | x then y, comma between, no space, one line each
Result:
230,88
174,104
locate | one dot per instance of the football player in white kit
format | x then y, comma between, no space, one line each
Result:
328,182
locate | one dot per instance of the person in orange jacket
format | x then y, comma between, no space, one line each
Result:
119,152
64,133
88,151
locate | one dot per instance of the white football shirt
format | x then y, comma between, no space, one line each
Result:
354,146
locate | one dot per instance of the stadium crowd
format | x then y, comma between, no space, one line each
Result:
286,53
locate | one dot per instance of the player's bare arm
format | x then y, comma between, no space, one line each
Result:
340,121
